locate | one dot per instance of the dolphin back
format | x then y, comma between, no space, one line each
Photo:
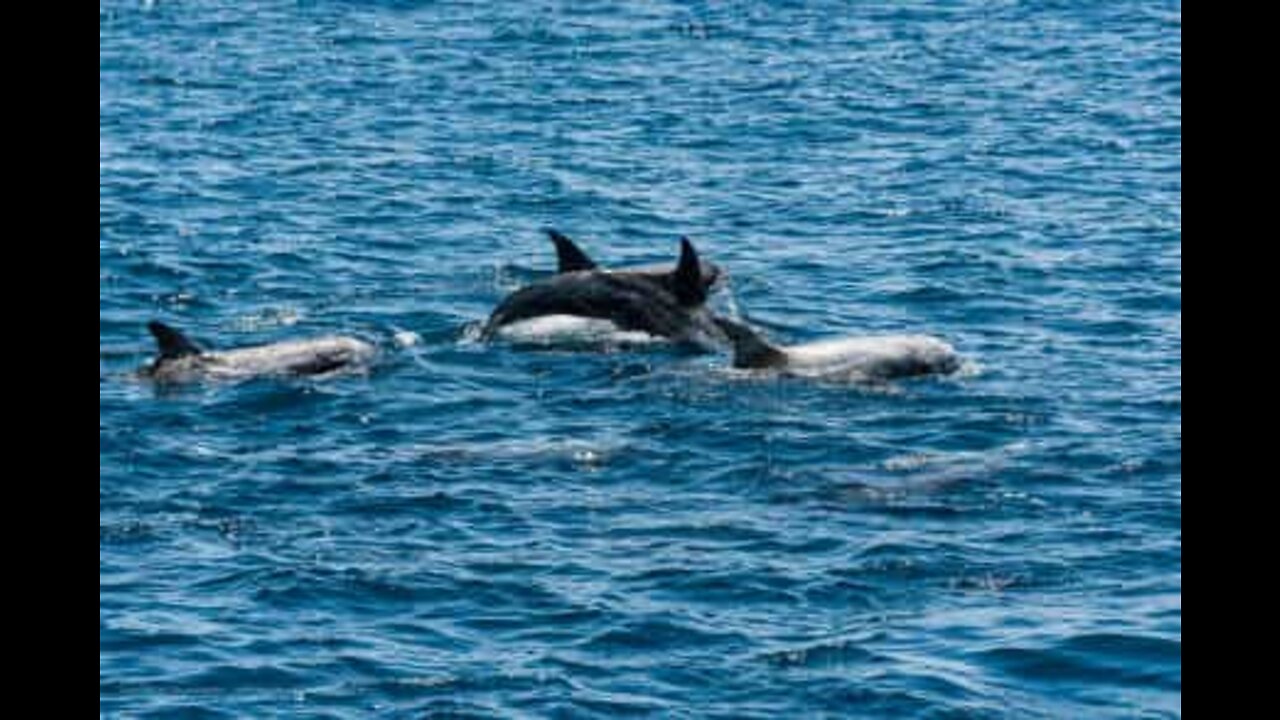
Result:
318,356
181,360
664,305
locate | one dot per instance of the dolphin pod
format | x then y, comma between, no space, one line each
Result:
663,301
671,304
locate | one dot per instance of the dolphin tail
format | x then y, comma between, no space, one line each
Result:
173,344
572,258
750,350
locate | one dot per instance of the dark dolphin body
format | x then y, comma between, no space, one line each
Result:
573,259
665,304
181,360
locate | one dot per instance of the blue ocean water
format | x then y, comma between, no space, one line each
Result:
474,531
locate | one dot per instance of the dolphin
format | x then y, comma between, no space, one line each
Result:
572,259
868,359
667,304
181,360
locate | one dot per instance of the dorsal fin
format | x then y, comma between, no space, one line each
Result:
572,259
173,344
687,280
750,351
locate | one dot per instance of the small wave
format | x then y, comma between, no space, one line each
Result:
835,655
651,635
1121,659
127,532
583,453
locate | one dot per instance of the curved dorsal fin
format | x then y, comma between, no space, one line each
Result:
750,350
687,280
572,259
173,344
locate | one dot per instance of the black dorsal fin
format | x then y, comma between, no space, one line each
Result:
572,259
173,344
687,281
750,350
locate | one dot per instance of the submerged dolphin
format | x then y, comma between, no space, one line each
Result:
572,259
181,360
668,304
855,358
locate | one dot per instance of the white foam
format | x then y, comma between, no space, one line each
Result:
405,339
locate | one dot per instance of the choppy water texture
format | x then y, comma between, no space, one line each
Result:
498,532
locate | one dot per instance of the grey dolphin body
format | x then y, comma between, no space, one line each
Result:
872,358
181,360
668,304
